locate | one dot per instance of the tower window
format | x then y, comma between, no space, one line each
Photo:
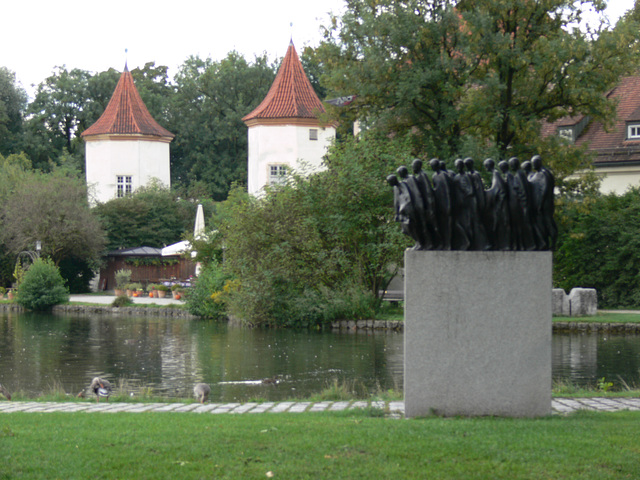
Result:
124,185
277,174
313,134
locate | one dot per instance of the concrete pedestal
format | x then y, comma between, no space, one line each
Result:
477,333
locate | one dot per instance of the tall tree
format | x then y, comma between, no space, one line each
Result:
13,103
209,152
53,210
473,76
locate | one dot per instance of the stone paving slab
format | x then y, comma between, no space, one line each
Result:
560,406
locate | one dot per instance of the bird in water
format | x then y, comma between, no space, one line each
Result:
5,392
101,387
201,391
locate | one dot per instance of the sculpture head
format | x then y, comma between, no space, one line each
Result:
503,166
526,166
403,172
459,164
468,162
434,163
489,164
514,163
416,165
443,166
536,161
392,180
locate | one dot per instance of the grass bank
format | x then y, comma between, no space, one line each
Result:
349,445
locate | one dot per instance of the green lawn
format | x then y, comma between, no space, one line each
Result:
338,445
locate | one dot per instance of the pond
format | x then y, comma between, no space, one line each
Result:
39,353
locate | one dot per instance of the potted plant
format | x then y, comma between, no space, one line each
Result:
162,290
123,277
136,289
177,291
10,294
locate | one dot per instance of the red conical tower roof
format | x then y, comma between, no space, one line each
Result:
126,114
290,96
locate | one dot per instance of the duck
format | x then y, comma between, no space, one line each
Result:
101,387
5,392
271,381
201,391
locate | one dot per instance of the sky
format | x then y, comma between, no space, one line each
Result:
39,35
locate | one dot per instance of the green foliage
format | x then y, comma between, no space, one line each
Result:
201,298
123,277
42,286
13,103
52,209
209,152
320,248
122,301
153,216
599,248
474,78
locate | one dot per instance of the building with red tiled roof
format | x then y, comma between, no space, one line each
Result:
617,149
285,132
125,148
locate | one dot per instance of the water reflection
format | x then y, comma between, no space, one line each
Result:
39,352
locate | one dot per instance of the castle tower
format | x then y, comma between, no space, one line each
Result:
284,130
126,148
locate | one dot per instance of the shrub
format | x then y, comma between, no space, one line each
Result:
42,286
206,297
122,301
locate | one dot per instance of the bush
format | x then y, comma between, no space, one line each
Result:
206,298
121,301
42,286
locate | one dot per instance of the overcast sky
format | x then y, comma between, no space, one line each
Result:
38,35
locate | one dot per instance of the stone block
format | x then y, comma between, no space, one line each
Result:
559,302
582,302
477,333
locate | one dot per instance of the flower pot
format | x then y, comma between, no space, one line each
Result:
10,295
119,292
161,294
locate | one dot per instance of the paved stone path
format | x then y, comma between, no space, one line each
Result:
560,406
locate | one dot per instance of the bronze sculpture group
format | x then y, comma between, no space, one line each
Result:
454,211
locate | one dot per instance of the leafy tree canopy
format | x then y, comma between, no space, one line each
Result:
209,151
153,216
13,103
474,77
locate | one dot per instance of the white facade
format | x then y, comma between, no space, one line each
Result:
618,179
137,158
291,145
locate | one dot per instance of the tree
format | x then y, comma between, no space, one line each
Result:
598,248
474,77
209,151
13,103
57,112
320,248
153,216
53,210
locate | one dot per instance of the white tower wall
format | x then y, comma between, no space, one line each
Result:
141,159
287,145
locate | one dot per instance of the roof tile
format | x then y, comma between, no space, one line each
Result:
291,94
126,113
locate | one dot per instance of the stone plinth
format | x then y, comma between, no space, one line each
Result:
477,333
